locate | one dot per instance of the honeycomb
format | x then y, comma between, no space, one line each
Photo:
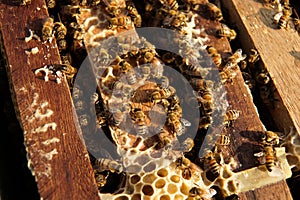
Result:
292,145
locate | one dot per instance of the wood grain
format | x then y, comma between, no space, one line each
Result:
279,50
57,157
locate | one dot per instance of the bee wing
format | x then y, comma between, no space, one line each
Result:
259,154
185,122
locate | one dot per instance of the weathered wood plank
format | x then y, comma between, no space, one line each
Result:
279,51
247,126
56,154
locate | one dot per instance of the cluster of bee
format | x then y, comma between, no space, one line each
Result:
257,79
284,14
269,140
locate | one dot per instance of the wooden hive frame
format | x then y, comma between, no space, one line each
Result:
58,157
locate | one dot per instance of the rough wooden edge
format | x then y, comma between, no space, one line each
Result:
56,155
279,51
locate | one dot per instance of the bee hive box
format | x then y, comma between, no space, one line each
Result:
57,155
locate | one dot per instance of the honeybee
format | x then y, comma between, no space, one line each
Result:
67,70
188,144
214,12
213,53
227,32
124,66
147,55
118,117
182,162
270,138
131,77
235,58
157,68
170,4
243,65
22,2
267,95
195,193
270,157
253,56
139,117
60,32
47,29
212,164
94,2
145,71
163,82
112,8
133,13
248,80
103,164
83,120
116,22
230,117
282,18
186,173
50,3
262,78
77,33
223,140
205,122
101,180
227,75
198,83
164,93
168,57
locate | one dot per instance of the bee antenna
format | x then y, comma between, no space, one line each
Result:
295,12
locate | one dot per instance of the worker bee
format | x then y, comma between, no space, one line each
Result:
227,75
262,78
223,140
235,58
168,57
282,18
253,56
47,29
243,65
249,81
118,117
147,55
133,13
195,193
84,120
145,71
186,173
101,180
164,93
50,3
182,162
267,95
131,77
94,2
188,144
198,83
124,66
103,164
112,7
163,82
214,12
205,122
270,157
60,32
230,117
77,33
67,70
212,164
116,22
157,68
213,53
169,4
227,32
139,117
22,2
270,138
